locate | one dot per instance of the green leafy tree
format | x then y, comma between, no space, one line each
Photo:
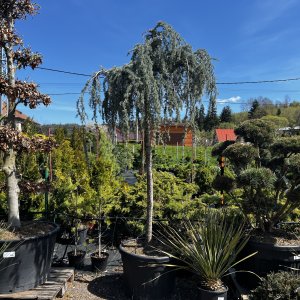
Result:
103,169
163,77
226,115
60,134
200,117
72,192
211,119
76,138
279,122
173,199
256,111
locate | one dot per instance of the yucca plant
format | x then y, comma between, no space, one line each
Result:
207,248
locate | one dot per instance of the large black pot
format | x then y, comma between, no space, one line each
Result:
213,295
147,277
269,258
29,263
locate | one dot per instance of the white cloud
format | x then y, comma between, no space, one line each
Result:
233,99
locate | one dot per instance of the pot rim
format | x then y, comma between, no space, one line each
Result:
102,252
156,259
55,230
266,245
82,252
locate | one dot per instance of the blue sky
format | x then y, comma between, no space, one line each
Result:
250,40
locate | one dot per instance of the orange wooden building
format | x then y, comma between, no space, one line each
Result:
177,134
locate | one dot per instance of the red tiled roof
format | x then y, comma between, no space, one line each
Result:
225,135
18,114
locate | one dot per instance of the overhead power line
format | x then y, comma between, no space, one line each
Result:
261,81
220,83
65,72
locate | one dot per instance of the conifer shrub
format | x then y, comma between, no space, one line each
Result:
281,285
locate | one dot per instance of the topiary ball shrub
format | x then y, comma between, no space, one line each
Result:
281,285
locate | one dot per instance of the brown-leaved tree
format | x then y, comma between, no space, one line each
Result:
17,92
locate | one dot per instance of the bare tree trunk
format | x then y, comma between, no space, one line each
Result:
147,139
13,190
9,160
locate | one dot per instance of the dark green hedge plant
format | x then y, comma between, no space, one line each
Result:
281,285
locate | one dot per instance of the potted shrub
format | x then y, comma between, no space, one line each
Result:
105,184
208,248
267,177
76,256
281,285
33,254
163,77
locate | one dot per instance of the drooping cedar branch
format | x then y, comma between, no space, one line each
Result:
164,79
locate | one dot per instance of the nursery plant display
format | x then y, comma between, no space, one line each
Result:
267,176
163,77
281,285
104,182
163,65
38,246
208,248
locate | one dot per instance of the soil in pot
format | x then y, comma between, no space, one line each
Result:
99,263
76,261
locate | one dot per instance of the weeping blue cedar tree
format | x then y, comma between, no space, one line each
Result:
164,80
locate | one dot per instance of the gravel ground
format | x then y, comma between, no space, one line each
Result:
109,285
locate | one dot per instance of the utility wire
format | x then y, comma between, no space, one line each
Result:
62,71
221,83
260,81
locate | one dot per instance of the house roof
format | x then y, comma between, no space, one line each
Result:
18,114
225,135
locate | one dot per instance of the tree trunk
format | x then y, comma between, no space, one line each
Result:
13,190
9,161
147,139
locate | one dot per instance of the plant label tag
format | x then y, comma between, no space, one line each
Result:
220,298
296,257
9,254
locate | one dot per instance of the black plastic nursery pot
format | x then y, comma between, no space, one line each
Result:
76,261
99,264
213,295
26,263
147,277
269,258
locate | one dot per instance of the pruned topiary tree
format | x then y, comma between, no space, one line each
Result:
163,78
267,170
